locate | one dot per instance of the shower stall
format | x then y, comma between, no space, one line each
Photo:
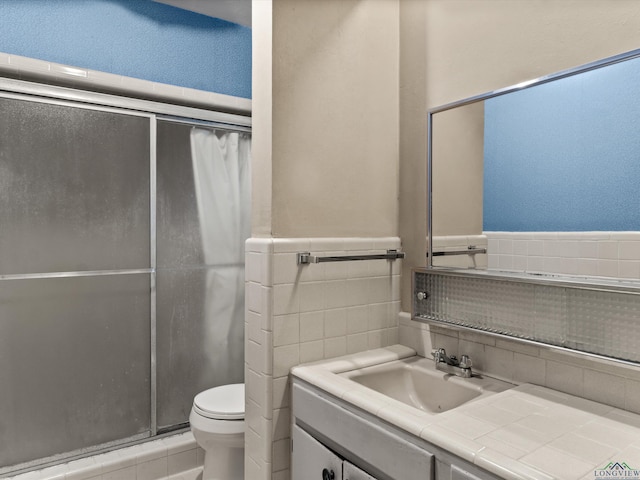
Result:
122,230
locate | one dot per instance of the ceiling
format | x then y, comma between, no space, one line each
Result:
236,11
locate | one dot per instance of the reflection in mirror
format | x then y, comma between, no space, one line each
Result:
546,177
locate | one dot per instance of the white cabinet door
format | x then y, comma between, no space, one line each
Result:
351,472
310,460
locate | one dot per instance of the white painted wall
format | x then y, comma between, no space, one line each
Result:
325,106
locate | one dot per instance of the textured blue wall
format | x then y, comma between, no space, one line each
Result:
565,156
136,38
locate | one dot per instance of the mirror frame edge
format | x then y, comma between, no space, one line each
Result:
579,282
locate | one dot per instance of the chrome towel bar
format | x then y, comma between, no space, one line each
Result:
472,250
306,258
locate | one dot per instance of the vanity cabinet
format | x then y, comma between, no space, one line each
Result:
321,423
333,435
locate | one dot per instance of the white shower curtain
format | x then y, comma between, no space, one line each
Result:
221,166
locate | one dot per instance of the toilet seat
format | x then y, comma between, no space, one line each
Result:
221,403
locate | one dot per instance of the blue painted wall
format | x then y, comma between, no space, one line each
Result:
565,156
136,38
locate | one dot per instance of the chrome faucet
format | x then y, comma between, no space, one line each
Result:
450,364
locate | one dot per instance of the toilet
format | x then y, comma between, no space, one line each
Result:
217,423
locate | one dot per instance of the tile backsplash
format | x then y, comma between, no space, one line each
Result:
302,313
606,381
603,254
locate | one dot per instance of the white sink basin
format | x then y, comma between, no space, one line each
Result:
416,382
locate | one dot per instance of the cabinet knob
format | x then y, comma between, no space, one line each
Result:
328,474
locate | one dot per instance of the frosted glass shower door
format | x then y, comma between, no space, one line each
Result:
75,289
202,224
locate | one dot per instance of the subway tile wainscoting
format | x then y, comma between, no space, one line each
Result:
297,314
602,254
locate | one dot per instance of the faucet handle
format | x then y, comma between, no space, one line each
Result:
465,361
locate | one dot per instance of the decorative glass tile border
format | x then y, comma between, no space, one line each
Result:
579,317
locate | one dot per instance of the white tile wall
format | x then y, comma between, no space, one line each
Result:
298,314
25,68
176,457
605,381
602,254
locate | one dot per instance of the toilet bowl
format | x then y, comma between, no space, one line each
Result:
217,423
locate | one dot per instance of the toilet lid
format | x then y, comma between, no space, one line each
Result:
223,403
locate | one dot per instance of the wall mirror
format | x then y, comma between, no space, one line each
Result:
541,177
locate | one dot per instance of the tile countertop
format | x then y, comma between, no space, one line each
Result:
527,432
